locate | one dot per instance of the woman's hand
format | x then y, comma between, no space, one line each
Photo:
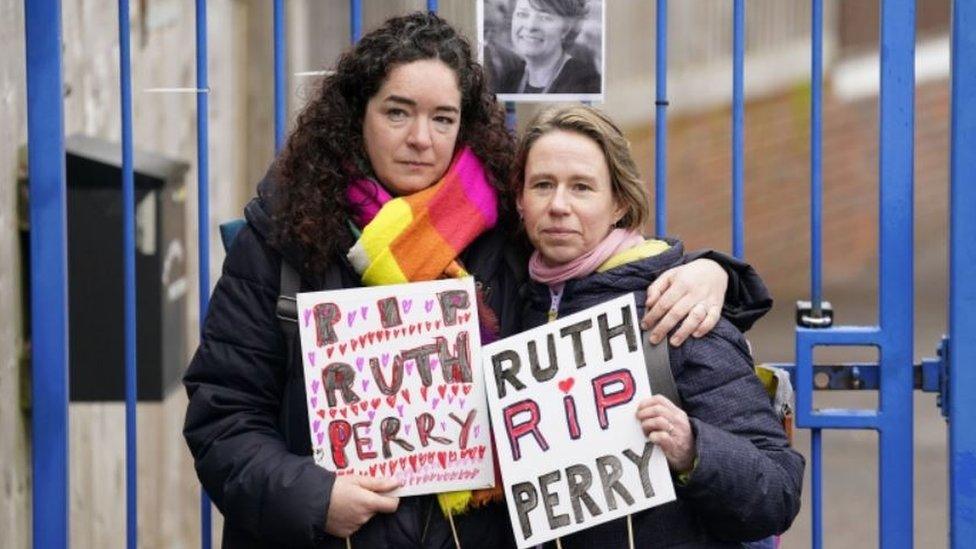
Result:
667,426
693,292
355,499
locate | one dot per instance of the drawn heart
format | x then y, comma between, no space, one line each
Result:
371,414
311,358
441,389
321,413
328,351
437,324
406,304
363,405
359,364
442,458
393,465
444,426
308,315
423,392
385,358
428,305
314,401
406,429
413,461
477,430
454,389
332,413
316,425
342,348
466,388
400,410
350,318
352,343
391,400
315,385
427,325
566,385
371,336
375,403
362,311
434,403
365,384
409,367
342,412
362,340
320,437
406,395
461,402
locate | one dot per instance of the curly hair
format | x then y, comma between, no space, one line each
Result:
326,148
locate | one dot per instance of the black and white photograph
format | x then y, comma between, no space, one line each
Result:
543,50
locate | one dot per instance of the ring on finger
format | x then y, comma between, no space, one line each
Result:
670,429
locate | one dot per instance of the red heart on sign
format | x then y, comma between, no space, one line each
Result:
391,400
566,384
321,414
466,389
406,395
423,392
441,389
442,457
376,403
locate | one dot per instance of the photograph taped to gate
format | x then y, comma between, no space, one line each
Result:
543,50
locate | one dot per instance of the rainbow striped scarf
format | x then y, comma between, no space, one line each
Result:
418,237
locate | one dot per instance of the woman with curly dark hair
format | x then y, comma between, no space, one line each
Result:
402,150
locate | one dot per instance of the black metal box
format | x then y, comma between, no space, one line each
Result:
95,271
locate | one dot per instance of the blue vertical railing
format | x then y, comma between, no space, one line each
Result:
893,335
962,289
738,127
661,121
49,285
280,100
203,209
128,277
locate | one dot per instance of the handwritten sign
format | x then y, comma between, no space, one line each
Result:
563,399
393,385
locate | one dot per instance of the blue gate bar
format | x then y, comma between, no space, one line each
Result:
355,20
893,336
738,126
279,73
816,486
49,285
203,211
432,6
962,289
816,155
129,278
661,121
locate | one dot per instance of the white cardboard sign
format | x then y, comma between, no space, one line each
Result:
563,399
391,375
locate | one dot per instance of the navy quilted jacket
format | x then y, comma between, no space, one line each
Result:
747,483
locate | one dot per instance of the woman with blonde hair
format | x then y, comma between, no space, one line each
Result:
583,205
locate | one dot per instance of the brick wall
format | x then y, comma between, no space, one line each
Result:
777,202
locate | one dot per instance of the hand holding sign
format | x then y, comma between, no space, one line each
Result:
667,426
355,499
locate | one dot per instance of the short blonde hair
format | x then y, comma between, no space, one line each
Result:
628,189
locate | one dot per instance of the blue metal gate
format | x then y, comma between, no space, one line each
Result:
953,374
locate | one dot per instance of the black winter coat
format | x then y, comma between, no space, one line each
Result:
746,485
246,423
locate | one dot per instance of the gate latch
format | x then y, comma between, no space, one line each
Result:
935,376
807,317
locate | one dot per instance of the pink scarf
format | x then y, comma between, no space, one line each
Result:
619,240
